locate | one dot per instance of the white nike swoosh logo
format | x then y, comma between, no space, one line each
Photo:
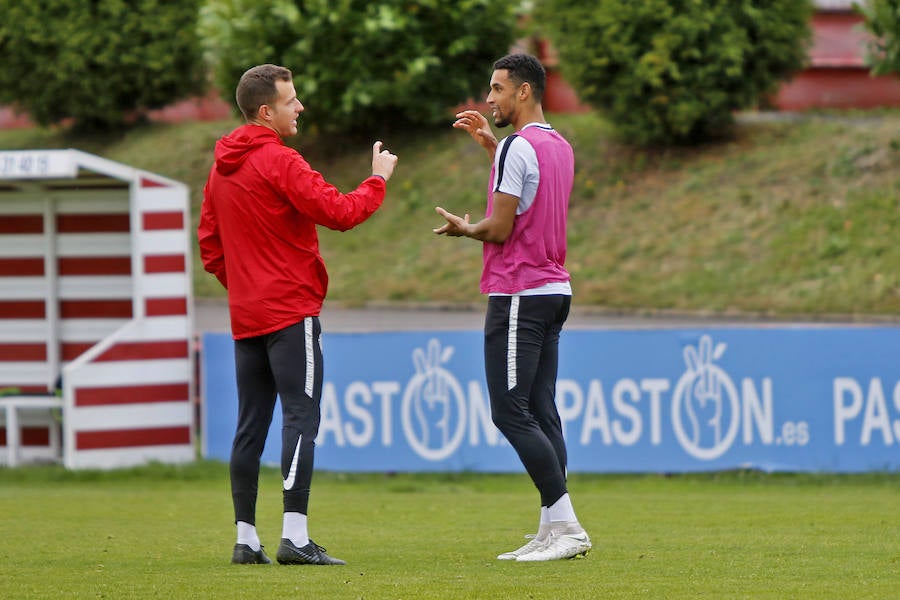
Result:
292,472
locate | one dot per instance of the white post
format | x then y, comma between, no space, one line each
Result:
51,303
12,435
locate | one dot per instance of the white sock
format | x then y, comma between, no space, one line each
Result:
544,525
294,529
246,534
562,510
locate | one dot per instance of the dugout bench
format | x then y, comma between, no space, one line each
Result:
95,313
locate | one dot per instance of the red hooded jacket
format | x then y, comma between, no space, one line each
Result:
257,232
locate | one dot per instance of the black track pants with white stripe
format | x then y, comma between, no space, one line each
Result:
521,356
288,364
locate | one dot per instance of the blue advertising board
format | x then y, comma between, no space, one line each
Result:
667,400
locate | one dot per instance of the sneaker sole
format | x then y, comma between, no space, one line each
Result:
301,560
579,553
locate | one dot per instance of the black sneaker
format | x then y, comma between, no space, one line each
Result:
245,555
310,554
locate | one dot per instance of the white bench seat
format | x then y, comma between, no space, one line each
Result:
29,410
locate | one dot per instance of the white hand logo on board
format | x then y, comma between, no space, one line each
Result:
705,406
704,402
432,401
432,405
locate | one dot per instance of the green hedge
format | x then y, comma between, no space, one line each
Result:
673,71
97,63
359,63
882,19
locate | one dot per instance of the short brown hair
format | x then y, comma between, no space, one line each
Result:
257,87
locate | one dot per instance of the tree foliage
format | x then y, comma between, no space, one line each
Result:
673,71
98,63
882,19
363,63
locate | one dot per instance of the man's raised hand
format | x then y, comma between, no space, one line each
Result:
383,162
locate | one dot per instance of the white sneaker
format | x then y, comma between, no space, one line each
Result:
532,545
558,547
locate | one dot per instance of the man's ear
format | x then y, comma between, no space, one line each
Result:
525,91
264,112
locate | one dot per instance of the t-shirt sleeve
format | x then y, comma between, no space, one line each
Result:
517,171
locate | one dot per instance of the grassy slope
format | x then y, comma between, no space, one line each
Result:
166,532
786,218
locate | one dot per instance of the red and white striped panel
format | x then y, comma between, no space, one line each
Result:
23,329
23,289
129,400
163,248
65,282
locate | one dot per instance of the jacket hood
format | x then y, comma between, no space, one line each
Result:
233,149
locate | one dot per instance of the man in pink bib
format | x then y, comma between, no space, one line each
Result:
529,294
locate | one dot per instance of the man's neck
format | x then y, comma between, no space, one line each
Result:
535,115
261,123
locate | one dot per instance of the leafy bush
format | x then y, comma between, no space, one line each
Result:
97,63
359,63
882,19
672,71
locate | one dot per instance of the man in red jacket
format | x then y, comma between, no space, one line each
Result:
257,235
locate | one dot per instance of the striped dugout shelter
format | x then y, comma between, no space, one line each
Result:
96,364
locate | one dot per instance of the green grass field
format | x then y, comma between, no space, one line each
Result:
166,532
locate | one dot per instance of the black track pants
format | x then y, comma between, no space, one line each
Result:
521,356
287,364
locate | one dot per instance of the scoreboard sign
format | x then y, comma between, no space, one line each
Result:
38,164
